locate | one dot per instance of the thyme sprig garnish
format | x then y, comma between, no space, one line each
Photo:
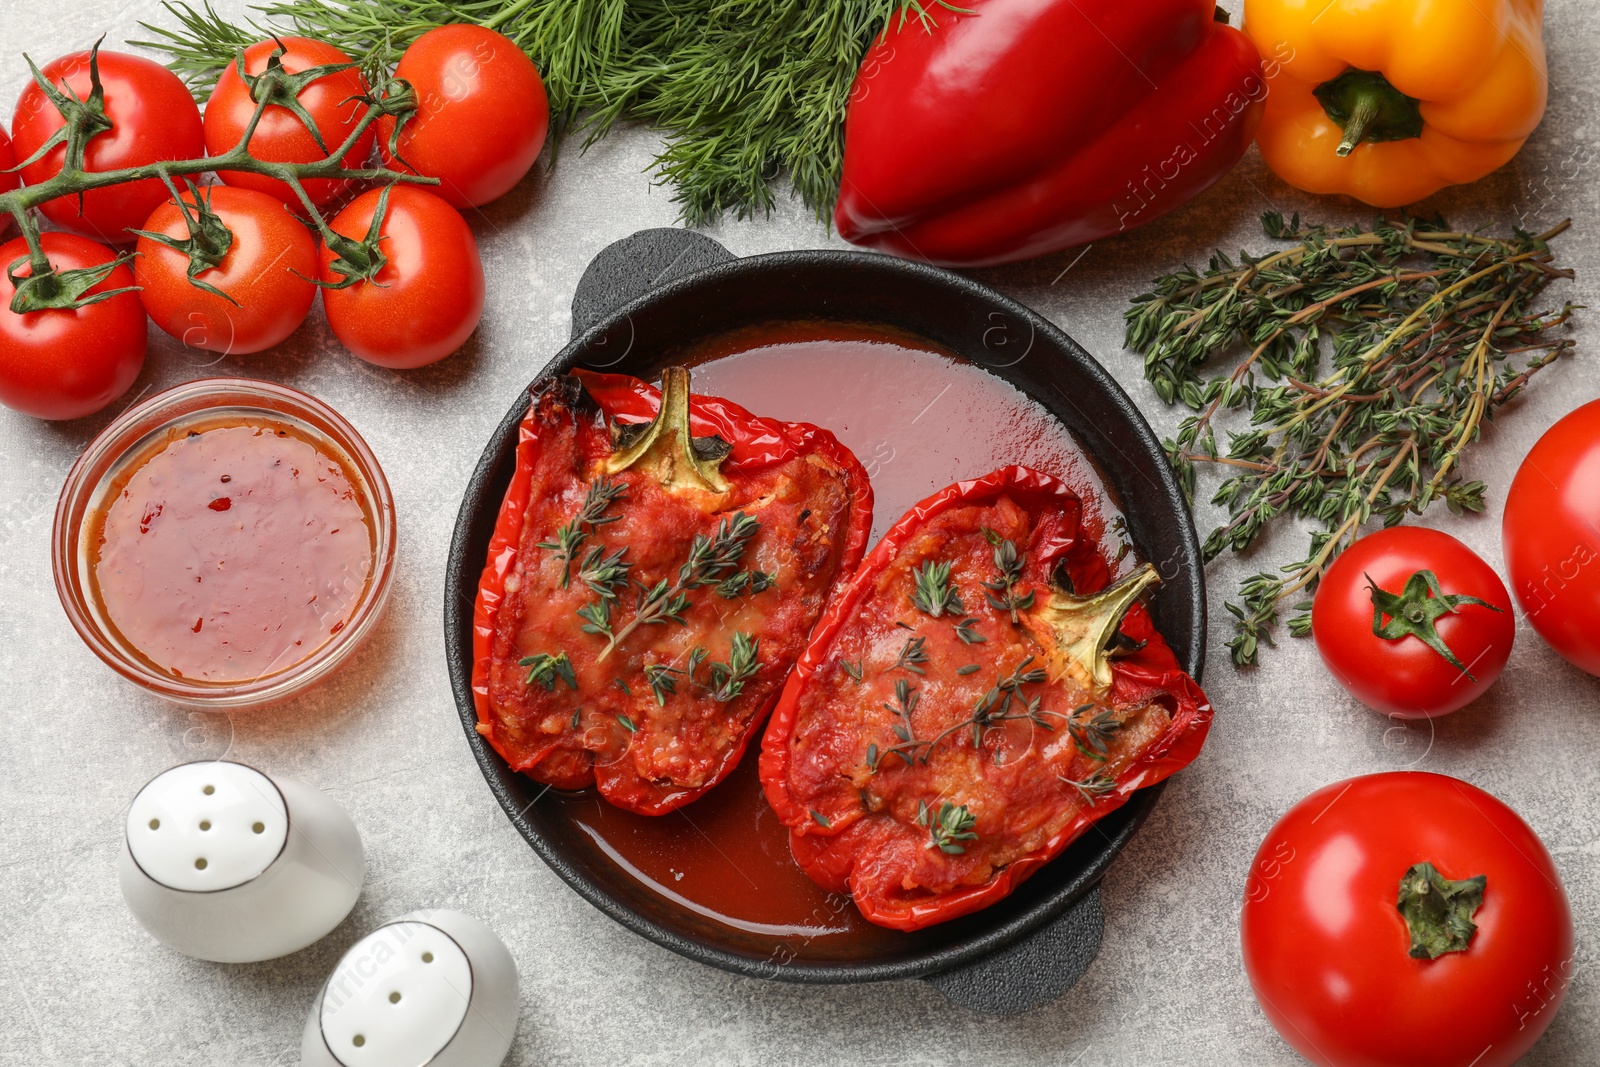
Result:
662,681
949,827
740,583
727,679
571,535
934,594
1374,358
710,559
1092,788
1002,702
1000,592
969,636
1093,734
544,669
603,573
912,656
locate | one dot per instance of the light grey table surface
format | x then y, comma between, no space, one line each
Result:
81,983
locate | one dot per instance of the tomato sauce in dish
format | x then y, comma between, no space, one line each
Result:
918,419
230,549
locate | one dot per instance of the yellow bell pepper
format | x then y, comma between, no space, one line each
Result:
1391,100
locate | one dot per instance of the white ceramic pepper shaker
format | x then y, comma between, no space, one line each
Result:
223,863
433,987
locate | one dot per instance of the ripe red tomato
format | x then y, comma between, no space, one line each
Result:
68,364
1328,951
481,114
281,137
267,271
153,117
1401,675
8,181
1551,535
426,300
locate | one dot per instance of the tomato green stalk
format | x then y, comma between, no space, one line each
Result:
46,288
1438,911
1416,611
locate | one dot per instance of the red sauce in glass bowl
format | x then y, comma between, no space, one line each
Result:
231,552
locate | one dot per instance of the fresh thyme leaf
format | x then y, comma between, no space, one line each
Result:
627,723
934,595
820,819
662,682
1093,734
727,679
597,616
697,656
1008,561
946,830
965,629
736,585
1092,788
571,536
623,686
605,574
855,670
971,668
912,656
1373,359
544,669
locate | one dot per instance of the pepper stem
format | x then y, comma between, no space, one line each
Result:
1369,109
1438,911
1085,625
667,447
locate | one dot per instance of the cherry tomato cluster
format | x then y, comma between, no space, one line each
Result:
235,267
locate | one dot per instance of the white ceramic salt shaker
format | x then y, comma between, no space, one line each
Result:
223,863
433,987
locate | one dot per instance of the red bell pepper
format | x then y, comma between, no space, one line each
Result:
656,568
977,697
1029,126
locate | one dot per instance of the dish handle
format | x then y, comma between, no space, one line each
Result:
1033,971
1025,975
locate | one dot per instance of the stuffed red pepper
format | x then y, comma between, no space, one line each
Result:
657,567
975,699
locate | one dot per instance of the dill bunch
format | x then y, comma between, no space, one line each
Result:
747,91
1371,361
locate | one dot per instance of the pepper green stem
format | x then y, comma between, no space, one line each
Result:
1438,911
667,448
1086,625
1369,109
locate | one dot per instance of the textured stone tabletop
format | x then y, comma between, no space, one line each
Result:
81,983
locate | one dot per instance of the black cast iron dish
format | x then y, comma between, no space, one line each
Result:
661,290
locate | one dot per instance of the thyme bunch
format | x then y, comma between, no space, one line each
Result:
746,92
1372,360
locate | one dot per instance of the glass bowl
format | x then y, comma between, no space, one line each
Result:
126,443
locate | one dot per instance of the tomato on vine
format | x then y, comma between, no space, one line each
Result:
1406,919
316,101
139,113
253,260
402,281
1413,622
79,341
1551,535
479,118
